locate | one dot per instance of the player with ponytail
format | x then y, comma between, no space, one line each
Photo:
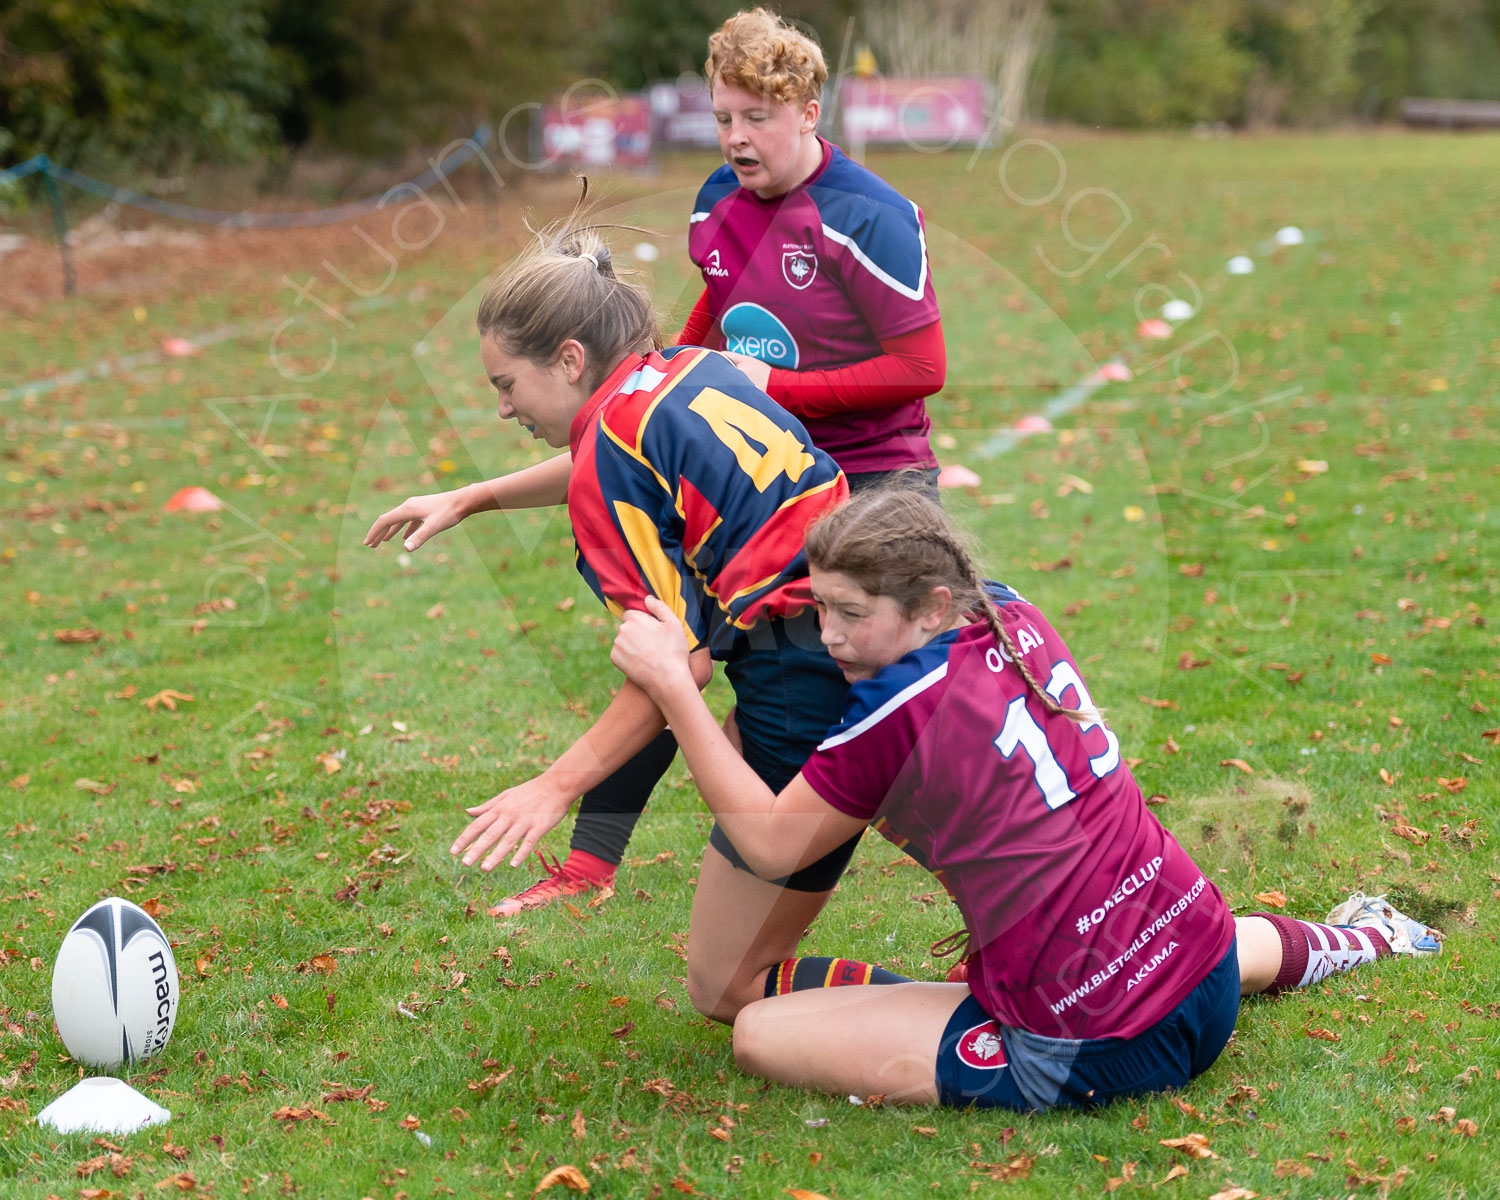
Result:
689,487
1102,962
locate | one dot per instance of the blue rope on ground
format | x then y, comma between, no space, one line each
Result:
470,147
30,167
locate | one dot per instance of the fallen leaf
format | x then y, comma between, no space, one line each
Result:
410,1122
1291,1167
1271,899
605,893
331,762
490,1081
1405,1124
280,1001
93,785
1238,763
1381,660
1466,1127
1186,662
289,1113
167,698
1018,1167
1323,1035
804,1194
566,604
1411,833
183,1181
1157,703
1453,785
20,781
77,636
1195,1144
436,611
580,1126
1177,1172
567,1176
1126,1175
1234,1193
348,1094
924,1130
1191,570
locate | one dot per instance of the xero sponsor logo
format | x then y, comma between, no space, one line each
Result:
752,330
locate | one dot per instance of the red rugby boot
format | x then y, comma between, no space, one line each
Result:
581,873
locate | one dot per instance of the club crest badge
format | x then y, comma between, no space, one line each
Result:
980,1047
799,267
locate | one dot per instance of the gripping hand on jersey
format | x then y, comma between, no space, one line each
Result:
651,651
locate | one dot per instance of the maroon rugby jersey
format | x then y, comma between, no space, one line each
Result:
818,278
1086,918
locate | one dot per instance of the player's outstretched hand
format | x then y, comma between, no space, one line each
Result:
422,517
651,650
758,372
515,820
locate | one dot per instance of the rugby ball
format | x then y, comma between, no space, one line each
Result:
114,986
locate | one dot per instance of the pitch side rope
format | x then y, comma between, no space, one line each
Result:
52,172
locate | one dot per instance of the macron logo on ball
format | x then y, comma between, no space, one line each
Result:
754,331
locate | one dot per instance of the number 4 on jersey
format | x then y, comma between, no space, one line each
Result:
1021,732
736,424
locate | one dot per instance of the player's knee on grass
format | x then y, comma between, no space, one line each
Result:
719,998
751,1034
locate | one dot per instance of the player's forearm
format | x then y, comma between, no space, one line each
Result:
541,486
623,729
911,366
734,793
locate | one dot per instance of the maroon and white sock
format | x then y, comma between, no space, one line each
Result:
1310,952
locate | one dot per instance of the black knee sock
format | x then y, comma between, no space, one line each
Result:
607,815
801,974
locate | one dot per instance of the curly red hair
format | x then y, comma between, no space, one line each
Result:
758,51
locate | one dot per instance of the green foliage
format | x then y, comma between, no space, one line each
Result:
644,40
1305,52
161,83
1265,62
1162,62
377,77
1446,48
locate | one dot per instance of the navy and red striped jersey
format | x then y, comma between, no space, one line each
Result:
692,485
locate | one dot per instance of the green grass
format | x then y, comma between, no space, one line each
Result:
1326,626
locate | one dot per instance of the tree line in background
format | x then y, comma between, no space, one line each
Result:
157,85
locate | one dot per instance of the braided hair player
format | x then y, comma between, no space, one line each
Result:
1102,962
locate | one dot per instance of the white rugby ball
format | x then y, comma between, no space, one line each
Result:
114,986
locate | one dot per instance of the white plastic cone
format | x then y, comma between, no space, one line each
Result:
102,1105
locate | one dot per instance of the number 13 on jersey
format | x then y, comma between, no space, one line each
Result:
1021,732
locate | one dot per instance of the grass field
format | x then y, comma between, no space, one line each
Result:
1274,551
